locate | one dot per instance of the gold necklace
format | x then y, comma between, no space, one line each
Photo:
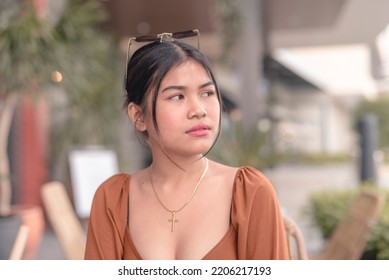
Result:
174,212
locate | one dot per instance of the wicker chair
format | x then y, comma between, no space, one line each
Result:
349,238
296,244
64,221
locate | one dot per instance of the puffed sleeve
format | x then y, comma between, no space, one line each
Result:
257,218
108,220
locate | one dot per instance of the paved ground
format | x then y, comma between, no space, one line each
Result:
293,185
50,248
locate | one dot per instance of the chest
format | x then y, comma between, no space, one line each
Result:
186,234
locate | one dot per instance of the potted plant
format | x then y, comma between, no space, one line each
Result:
34,45
25,42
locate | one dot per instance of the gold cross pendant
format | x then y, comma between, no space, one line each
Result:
173,221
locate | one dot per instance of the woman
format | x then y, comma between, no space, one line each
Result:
183,206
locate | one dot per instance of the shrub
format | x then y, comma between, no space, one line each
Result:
327,208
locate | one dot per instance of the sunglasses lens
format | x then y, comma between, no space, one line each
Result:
143,39
185,34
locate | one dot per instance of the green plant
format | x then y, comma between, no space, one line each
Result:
235,149
90,113
31,49
231,24
327,208
27,45
26,60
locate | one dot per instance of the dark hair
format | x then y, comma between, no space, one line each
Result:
149,65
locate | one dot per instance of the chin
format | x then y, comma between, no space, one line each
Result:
201,150
195,150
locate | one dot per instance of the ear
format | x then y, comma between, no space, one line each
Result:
136,116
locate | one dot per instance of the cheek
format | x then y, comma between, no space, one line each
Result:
168,120
164,116
214,111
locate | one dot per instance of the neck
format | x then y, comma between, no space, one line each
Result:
172,172
175,163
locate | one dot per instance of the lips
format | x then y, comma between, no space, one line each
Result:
199,130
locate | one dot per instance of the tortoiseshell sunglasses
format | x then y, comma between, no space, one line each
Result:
161,37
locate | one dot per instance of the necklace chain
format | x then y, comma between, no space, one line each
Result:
174,212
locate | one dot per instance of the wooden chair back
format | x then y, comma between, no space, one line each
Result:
20,243
296,244
64,220
350,236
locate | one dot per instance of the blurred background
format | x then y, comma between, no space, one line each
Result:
305,85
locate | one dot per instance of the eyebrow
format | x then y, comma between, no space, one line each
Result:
183,87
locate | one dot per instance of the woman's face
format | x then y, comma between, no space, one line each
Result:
187,111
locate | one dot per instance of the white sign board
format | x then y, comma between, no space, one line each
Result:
89,168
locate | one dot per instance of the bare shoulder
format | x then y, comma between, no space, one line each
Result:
223,173
139,178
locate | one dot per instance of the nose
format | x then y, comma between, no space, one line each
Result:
196,109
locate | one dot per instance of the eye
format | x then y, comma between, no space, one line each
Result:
207,94
176,97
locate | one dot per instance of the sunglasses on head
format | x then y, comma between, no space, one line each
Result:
165,36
